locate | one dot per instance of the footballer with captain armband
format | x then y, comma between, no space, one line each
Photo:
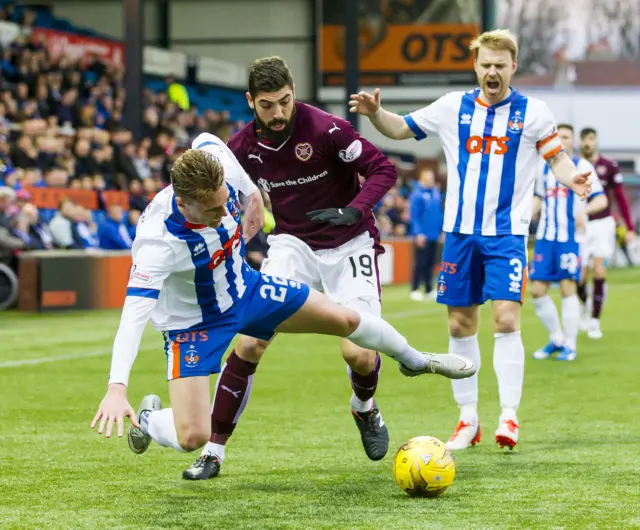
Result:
556,256
189,277
492,137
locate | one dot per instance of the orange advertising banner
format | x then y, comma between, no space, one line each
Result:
49,198
401,43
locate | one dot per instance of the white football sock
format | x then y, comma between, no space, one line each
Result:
373,333
508,363
571,320
214,450
161,427
548,314
465,391
361,406
508,414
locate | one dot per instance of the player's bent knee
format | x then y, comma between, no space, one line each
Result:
462,324
250,349
568,288
538,289
350,321
360,360
599,271
506,322
193,438
344,321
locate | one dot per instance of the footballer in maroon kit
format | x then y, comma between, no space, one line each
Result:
309,163
601,231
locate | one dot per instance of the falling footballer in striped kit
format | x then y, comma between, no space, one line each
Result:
189,277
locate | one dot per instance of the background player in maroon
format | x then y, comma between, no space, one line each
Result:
308,162
601,232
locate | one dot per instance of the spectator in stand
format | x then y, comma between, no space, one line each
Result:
61,126
40,237
113,232
9,242
427,217
137,197
132,222
84,229
60,225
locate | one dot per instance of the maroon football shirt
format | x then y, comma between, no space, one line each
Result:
317,167
612,181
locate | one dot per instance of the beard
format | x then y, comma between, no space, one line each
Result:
276,137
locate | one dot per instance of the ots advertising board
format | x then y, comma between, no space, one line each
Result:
401,42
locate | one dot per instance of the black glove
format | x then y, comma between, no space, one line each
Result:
336,216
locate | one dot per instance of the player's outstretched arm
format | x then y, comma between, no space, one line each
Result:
152,263
390,124
253,216
568,174
115,406
597,204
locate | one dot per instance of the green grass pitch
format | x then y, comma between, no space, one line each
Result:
296,461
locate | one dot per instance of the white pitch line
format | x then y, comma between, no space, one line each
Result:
42,360
100,353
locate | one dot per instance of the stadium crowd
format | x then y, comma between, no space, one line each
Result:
61,126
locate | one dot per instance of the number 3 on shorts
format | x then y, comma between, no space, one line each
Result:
516,276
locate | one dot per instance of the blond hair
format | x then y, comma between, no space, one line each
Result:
498,39
196,174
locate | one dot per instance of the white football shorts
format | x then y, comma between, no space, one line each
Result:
347,274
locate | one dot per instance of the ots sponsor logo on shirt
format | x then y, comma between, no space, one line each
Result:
139,277
227,249
560,192
352,152
488,144
268,186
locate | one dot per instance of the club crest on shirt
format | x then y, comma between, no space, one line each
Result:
601,169
234,208
304,151
516,124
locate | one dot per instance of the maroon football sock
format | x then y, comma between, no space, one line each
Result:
599,293
231,397
364,386
582,293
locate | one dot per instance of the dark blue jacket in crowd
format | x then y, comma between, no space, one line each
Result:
83,237
114,236
427,215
